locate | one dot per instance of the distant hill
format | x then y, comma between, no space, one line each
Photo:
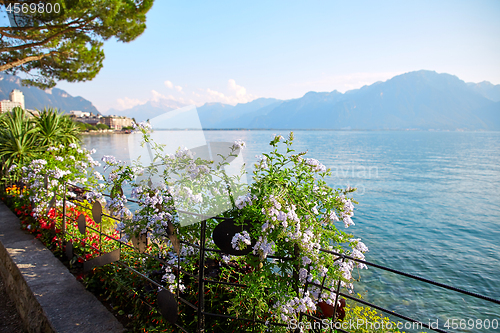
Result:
487,89
416,100
35,98
147,110
421,100
218,115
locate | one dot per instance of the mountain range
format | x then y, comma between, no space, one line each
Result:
416,100
35,98
148,110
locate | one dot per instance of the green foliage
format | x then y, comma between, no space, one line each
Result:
18,138
55,129
89,127
368,320
102,126
68,45
23,138
84,126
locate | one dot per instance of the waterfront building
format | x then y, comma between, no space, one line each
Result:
117,122
79,114
92,120
16,98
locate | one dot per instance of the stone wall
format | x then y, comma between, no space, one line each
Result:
47,295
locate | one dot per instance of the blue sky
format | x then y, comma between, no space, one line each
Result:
235,51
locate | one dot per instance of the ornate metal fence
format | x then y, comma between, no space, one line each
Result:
168,303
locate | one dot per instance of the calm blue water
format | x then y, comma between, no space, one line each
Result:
429,205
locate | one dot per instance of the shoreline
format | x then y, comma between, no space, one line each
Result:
105,132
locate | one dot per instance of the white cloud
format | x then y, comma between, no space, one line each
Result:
235,94
216,94
157,96
170,85
127,103
239,90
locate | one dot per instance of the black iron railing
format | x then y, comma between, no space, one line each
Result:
166,308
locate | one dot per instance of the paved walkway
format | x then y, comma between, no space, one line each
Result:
51,296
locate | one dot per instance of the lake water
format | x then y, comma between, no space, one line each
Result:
429,205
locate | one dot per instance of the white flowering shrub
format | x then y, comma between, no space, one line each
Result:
289,214
292,213
47,175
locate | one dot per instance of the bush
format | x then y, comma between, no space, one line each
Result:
281,221
85,126
102,126
23,138
277,255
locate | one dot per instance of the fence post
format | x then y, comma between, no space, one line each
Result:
201,277
337,296
63,227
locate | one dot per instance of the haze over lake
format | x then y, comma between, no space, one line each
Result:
428,205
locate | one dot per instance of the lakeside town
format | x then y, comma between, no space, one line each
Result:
89,123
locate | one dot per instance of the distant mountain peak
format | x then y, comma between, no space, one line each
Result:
36,98
486,89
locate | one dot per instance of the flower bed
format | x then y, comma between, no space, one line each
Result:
270,249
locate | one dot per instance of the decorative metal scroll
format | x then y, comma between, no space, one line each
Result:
168,306
172,236
140,242
69,250
116,190
102,260
82,224
223,235
97,212
51,203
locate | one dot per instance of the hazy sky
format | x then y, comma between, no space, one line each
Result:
235,51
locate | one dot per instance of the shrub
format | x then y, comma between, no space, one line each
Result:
283,221
102,126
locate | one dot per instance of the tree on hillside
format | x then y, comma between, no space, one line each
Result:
65,43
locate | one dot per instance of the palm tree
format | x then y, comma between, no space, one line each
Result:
23,139
18,138
55,129
71,131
